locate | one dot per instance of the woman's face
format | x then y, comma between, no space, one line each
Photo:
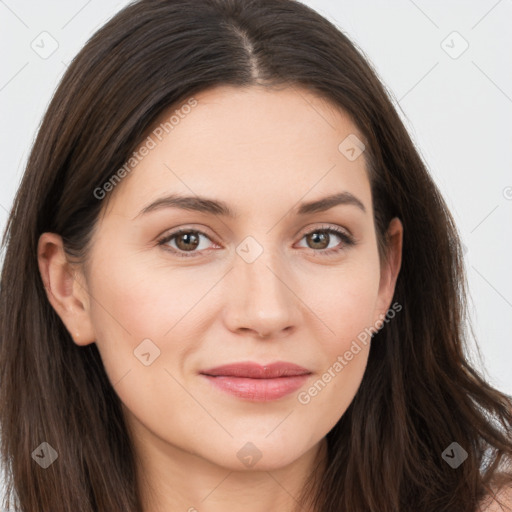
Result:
269,283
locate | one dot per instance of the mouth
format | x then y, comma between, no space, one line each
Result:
255,382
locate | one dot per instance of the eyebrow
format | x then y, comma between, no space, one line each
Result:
220,208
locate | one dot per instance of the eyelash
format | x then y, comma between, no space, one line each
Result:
347,241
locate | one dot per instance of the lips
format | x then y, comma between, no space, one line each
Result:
256,371
255,382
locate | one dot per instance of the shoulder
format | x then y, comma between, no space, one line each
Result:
500,502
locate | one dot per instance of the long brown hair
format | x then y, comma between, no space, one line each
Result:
419,393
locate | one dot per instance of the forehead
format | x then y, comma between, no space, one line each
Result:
249,146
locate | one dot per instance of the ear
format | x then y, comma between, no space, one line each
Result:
390,268
66,288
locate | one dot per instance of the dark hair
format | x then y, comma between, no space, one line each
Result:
419,392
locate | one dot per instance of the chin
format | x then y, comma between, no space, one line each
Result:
258,455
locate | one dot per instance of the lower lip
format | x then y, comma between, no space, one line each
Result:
258,390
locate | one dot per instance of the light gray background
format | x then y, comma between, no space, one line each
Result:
458,109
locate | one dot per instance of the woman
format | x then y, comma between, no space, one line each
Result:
230,282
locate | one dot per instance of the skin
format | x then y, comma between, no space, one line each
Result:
262,152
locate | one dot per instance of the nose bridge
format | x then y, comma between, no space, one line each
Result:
259,264
262,298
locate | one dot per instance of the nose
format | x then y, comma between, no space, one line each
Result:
261,298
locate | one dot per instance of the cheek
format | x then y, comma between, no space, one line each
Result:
346,308
144,318
143,301
345,301
141,309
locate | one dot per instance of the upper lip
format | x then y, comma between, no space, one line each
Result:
253,370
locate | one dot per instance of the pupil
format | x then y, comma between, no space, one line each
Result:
188,242
317,238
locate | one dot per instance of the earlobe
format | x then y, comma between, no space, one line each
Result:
66,294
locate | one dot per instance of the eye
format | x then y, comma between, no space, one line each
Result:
186,240
320,239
